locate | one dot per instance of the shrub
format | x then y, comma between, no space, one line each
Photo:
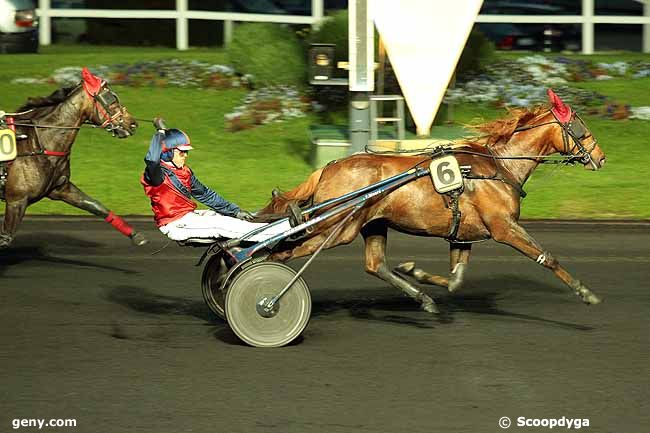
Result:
269,52
333,30
478,52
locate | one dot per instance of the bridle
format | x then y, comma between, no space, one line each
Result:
109,108
574,130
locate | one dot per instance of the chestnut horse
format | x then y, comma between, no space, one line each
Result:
48,127
501,161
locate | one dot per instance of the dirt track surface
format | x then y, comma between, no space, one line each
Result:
120,340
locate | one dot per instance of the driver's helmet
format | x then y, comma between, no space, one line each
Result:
174,139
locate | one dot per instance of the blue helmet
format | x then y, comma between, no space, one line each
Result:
174,139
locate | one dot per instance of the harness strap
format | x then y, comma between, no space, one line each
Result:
502,174
455,213
54,153
41,150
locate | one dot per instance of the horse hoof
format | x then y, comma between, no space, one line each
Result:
456,278
138,239
405,268
5,241
587,296
593,300
428,305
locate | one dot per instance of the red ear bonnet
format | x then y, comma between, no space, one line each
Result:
91,83
560,109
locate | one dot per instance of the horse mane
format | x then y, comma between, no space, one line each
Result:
499,130
45,104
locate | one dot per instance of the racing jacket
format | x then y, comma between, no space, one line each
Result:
171,189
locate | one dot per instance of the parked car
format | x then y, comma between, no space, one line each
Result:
18,26
516,36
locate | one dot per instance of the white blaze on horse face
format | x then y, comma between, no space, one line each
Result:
424,40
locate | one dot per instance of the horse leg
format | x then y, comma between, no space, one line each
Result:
458,261
458,258
421,276
516,236
375,235
69,193
14,213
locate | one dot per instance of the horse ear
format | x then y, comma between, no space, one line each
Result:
554,99
91,83
560,109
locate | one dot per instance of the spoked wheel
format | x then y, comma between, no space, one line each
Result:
251,289
214,272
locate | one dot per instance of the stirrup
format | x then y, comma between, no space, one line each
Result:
295,215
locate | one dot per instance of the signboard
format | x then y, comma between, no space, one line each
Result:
424,40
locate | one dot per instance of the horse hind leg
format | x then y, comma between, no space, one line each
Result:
69,193
420,275
14,213
375,235
458,260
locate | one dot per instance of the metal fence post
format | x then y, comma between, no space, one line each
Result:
181,25
316,11
588,26
44,23
227,32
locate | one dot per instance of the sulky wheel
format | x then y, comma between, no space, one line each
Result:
254,286
213,274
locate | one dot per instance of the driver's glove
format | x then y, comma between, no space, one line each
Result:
245,215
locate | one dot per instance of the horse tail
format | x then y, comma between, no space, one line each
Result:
280,202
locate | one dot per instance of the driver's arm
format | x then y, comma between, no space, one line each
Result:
213,200
153,173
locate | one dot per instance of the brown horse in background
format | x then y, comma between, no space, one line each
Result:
501,161
49,127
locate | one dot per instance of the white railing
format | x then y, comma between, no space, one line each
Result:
181,14
587,20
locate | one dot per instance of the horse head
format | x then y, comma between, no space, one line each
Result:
107,111
573,138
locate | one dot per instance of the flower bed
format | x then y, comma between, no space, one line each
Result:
270,104
162,73
523,82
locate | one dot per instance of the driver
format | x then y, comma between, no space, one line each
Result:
171,185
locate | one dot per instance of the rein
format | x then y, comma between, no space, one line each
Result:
102,100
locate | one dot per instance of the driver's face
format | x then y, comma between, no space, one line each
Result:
180,156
